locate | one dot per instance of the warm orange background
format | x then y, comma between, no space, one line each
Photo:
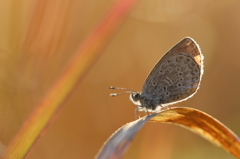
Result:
38,38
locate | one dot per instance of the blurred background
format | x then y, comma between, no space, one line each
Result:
37,38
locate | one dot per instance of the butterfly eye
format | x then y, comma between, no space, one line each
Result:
135,97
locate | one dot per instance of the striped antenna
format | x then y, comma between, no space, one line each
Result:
116,94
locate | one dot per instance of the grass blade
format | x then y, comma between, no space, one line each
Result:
84,58
194,120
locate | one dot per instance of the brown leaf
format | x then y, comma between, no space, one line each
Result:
189,118
204,125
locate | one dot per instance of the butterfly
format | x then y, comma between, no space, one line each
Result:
175,78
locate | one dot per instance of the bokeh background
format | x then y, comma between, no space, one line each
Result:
37,38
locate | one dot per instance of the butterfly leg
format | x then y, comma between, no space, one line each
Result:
147,112
136,113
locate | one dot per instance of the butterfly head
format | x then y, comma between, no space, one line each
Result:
135,98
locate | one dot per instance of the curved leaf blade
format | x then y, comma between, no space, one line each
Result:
192,119
202,124
117,144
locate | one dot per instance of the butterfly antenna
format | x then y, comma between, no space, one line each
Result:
116,94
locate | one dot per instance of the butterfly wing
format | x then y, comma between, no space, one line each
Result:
176,76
